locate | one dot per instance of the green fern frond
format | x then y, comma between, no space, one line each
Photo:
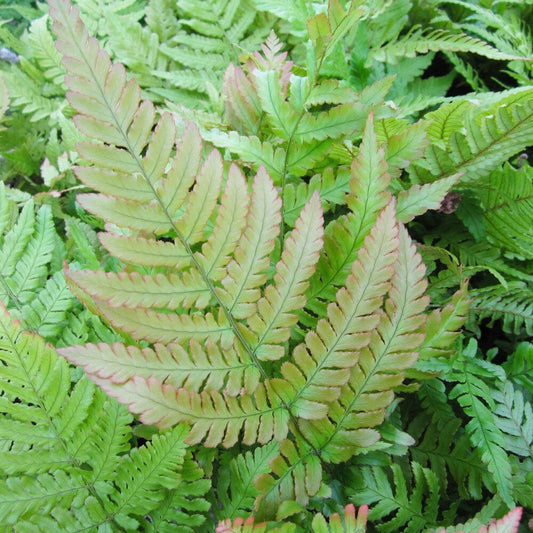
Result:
143,472
443,446
45,53
50,431
473,394
507,199
296,475
413,503
513,306
483,139
519,364
514,417
236,490
420,42
184,506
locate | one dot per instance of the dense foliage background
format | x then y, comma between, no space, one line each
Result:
432,101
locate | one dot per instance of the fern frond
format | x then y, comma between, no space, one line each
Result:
296,474
277,310
14,242
26,497
246,272
236,490
321,366
442,326
183,506
420,198
46,313
194,368
513,306
146,470
45,52
507,198
519,364
482,140
413,504
443,445
473,395
215,418
392,349
514,417
367,197
32,266
419,42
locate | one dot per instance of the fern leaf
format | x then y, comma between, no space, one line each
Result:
185,506
134,290
276,310
236,480
442,326
46,313
414,506
145,471
514,307
106,441
420,198
368,196
32,266
418,42
321,367
490,138
15,241
296,475
245,273
251,149
194,368
514,417
392,349
160,327
518,366
146,252
26,496
215,418
482,429
36,376
229,225
507,198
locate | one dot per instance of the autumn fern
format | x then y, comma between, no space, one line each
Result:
216,285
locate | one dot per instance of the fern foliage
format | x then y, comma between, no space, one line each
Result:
66,449
213,300
271,241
